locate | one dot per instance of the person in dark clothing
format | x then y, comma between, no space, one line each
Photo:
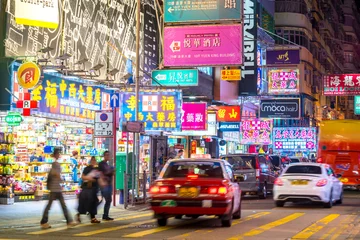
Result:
106,190
88,200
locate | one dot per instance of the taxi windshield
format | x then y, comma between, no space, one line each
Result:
202,169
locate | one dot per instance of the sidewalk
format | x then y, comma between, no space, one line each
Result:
28,214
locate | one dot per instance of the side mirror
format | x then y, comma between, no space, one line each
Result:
338,175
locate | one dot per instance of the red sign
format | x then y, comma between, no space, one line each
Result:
342,84
27,104
228,114
193,146
179,146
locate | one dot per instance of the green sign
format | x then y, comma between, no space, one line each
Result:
205,11
168,203
357,105
267,22
175,77
13,119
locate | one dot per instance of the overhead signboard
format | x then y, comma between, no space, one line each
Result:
256,131
104,124
135,127
37,13
280,108
211,128
192,11
283,56
229,126
28,75
228,114
283,81
342,85
194,116
175,77
357,105
203,45
231,75
295,138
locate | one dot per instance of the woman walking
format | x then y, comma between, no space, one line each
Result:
88,200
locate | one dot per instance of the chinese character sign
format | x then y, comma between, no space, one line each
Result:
158,110
228,114
203,45
295,138
256,131
284,81
342,84
66,99
194,116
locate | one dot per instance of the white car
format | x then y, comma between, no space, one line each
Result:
308,181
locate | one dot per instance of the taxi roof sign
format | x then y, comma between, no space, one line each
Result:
200,156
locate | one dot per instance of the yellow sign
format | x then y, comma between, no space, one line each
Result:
231,75
28,75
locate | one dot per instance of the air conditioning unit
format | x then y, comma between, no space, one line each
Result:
314,89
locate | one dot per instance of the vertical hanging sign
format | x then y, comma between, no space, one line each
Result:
248,83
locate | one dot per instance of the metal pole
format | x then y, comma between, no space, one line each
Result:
137,85
114,155
126,180
126,190
133,173
336,107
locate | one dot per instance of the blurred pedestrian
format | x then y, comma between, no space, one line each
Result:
106,190
74,165
180,154
53,185
88,200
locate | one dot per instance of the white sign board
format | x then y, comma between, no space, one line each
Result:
37,13
104,125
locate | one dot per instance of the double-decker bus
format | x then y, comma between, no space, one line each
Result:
339,146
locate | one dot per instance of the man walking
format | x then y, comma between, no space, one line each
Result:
54,187
106,191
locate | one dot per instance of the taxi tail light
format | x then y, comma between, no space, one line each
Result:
257,173
193,176
162,189
321,183
218,190
257,167
278,182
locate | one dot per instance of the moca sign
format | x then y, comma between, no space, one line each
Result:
280,108
43,13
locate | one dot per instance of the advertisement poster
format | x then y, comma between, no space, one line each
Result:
284,81
342,84
160,111
69,100
228,113
282,57
280,108
256,131
192,11
205,45
194,116
211,128
295,138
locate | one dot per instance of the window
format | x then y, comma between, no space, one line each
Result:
202,169
304,169
275,160
229,172
293,6
298,37
348,57
241,162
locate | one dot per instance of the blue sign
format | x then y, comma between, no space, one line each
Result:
160,111
204,11
229,126
115,100
129,70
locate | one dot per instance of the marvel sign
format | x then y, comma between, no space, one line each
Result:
342,84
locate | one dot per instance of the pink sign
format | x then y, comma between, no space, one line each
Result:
194,116
256,131
205,45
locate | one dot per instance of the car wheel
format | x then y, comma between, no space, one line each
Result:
330,203
178,216
162,222
226,220
237,214
263,194
279,203
340,201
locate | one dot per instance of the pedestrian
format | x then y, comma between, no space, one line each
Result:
88,200
74,165
53,185
180,154
106,190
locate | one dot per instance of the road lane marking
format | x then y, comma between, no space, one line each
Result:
263,228
326,235
248,218
314,228
161,229
111,229
345,224
50,230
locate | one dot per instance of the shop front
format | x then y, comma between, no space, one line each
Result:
229,133
63,119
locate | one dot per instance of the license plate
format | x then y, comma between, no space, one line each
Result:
168,203
188,192
299,182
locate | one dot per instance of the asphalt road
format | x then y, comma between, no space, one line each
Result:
260,220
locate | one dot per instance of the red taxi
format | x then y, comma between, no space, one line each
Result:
195,187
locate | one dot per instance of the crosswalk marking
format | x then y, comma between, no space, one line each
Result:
111,229
345,224
248,218
159,229
87,224
326,235
317,226
263,228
